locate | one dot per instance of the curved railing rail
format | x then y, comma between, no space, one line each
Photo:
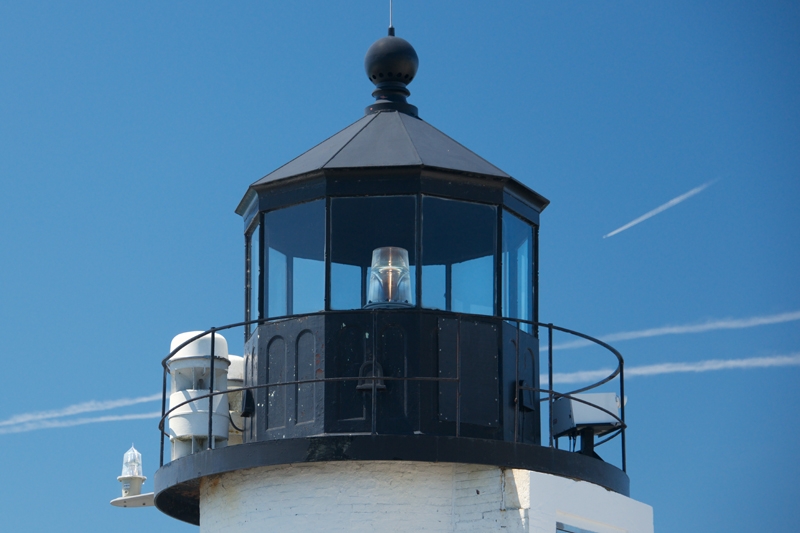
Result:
548,395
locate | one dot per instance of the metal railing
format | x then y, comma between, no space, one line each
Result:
548,395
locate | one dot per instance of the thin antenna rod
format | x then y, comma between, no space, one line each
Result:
391,25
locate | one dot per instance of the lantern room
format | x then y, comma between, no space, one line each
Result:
394,275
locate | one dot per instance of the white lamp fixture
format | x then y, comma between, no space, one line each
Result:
132,480
389,278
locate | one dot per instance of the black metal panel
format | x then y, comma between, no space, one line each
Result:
480,385
408,344
290,350
347,336
448,397
308,366
373,182
293,191
396,406
390,343
176,484
520,366
520,207
248,208
461,187
440,374
468,350
277,372
427,365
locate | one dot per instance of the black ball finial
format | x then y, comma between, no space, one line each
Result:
391,64
391,59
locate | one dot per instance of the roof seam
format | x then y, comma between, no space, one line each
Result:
410,140
331,158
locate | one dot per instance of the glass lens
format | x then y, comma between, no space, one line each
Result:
389,279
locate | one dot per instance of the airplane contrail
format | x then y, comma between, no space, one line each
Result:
673,368
60,423
661,208
78,408
712,325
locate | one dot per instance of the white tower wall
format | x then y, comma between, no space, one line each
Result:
403,496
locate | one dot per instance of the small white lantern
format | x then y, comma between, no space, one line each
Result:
131,478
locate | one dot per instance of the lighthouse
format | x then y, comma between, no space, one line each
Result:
392,373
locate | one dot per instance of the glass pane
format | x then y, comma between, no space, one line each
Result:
253,254
458,256
277,301
358,227
294,242
344,294
473,286
308,290
434,286
517,260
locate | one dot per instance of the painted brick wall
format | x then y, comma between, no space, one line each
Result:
400,497
360,496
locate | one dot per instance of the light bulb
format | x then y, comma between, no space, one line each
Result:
389,278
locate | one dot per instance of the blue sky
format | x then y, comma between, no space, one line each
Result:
129,133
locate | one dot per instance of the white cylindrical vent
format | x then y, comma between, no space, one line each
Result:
190,379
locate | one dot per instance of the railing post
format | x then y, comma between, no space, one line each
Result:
550,378
211,392
458,376
375,344
622,412
163,412
516,383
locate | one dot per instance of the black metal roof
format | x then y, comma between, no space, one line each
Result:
390,136
387,138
